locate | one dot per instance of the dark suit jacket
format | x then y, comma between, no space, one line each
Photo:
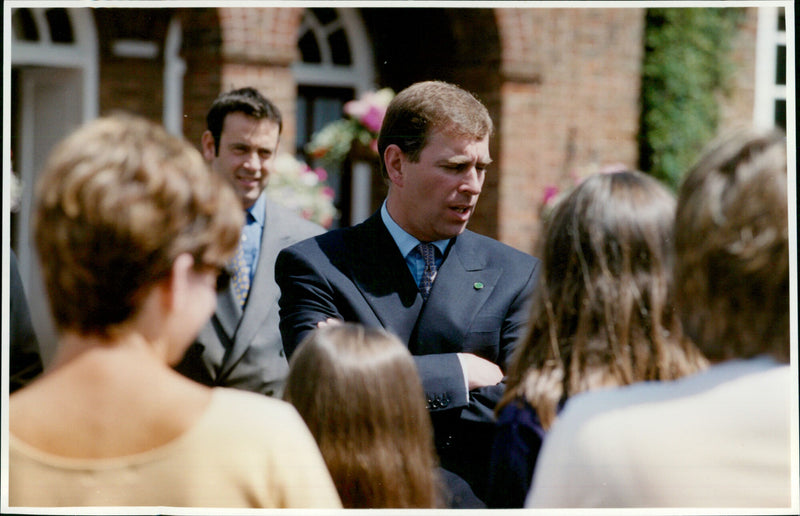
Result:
24,357
242,348
478,304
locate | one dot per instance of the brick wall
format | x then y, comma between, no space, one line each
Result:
737,107
132,84
570,104
258,46
201,51
229,48
562,85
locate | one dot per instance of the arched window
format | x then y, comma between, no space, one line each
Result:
335,66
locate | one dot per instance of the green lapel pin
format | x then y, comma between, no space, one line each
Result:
478,285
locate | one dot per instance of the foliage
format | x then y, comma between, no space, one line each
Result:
687,67
362,122
302,189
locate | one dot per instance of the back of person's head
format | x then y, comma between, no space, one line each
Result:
426,106
359,392
118,201
603,312
732,251
248,101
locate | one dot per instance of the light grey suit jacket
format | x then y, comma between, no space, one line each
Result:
242,348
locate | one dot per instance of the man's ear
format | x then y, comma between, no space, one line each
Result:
207,142
393,159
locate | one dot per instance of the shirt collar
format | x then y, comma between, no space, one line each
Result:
258,210
405,242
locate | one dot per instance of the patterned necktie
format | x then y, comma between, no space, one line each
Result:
240,280
428,252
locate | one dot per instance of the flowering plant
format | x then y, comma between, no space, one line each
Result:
360,126
302,189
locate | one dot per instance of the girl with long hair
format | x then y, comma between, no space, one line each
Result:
360,395
602,316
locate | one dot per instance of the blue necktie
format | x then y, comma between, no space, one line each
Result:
428,252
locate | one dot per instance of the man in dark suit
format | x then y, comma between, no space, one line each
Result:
240,346
458,299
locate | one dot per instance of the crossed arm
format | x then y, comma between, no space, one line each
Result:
314,295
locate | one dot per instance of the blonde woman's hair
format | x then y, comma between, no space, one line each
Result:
118,201
359,392
603,313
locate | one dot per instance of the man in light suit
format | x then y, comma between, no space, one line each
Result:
459,303
240,346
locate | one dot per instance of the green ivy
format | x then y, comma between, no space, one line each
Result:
687,67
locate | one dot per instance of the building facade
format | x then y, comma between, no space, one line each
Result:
562,85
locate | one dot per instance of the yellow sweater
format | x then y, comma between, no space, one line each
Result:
247,450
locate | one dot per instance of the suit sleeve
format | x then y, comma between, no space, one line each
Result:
442,380
484,399
306,298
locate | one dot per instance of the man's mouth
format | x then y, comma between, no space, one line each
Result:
462,211
247,181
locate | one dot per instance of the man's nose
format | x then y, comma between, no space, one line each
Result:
473,182
253,162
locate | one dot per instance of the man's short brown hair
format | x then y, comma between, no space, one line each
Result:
732,253
424,106
118,201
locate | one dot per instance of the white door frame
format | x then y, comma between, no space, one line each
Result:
58,92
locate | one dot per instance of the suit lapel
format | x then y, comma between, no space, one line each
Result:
228,312
380,272
462,286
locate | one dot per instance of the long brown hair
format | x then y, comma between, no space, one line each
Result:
603,312
359,392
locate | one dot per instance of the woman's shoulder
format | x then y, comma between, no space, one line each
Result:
233,407
251,425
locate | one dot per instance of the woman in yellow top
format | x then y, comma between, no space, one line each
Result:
134,231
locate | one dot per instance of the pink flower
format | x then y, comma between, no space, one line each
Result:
322,174
328,192
370,109
373,118
550,193
356,108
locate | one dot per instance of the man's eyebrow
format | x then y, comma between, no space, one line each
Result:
244,145
462,159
